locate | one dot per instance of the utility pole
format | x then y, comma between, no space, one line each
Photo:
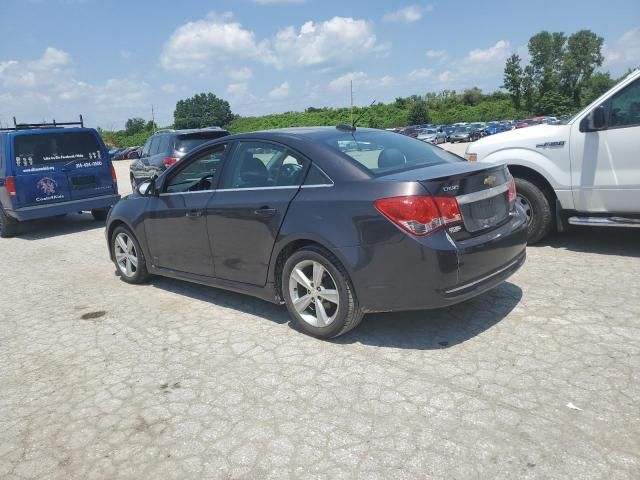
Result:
351,102
153,119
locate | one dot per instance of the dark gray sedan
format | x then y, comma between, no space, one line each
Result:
333,222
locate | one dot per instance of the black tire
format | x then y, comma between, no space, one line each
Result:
100,215
134,183
540,212
348,314
141,274
8,225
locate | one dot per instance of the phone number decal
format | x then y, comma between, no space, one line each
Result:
88,164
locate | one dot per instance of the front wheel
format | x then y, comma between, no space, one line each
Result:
8,225
319,294
537,207
128,256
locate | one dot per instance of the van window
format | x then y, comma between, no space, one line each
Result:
43,148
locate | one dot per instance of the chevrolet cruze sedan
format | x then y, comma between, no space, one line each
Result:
333,222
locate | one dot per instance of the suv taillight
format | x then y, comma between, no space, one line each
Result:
420,214
114,177
169,161
10,183
512,190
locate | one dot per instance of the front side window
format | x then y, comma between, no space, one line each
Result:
261,164
625,107
384,152
199,175
41,149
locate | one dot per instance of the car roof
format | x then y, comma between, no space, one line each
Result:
35,131
187,131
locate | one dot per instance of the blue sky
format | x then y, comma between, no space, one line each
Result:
113,59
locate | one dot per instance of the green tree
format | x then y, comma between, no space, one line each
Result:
595,86
528,88
472,96
202,110
583,55
134,125
151,126
418,113
513,80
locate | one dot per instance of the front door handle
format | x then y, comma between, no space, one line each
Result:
265,212
194,213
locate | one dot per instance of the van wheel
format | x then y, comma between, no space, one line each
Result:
537,207
100,215
128,256
8,225
319,294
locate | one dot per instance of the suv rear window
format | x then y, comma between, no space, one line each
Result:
385,152
44,148
186,143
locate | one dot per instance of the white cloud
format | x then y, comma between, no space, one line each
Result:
238,89
420,74
280,93
498,52
625,51
409,14
217,37
436,54
168,88
360,79
240,74
445,76
47,87
338,41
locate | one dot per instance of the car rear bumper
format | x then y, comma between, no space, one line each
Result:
51,210
435,271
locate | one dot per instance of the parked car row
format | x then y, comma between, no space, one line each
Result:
125,153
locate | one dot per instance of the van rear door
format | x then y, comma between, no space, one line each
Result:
61,166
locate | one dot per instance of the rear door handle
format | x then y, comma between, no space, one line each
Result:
265,212
194,213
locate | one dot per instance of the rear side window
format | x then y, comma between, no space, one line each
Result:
41,149
384,152
164,147
186,143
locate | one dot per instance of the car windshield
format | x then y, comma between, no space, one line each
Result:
383,152
462,129
43,148
427,131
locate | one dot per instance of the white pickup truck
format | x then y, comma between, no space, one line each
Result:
583,172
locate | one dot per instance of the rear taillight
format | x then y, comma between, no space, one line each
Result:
512,189
169,161
114,177
420,215
10,183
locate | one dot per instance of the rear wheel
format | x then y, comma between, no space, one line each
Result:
319,294
8,225
100,215
128,256
134,184
537,206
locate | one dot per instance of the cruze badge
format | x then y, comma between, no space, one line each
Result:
490,180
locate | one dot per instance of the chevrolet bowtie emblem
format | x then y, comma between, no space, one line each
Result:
490,180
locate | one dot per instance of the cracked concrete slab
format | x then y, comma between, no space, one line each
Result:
173,380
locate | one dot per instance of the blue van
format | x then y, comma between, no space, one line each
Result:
53,169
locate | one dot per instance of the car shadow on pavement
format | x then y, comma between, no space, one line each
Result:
603,241
419,330
58,226
436,329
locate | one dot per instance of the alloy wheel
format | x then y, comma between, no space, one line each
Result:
314,293
126,255
526,205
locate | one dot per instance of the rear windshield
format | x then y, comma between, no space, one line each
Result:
385,152
186,143
44,148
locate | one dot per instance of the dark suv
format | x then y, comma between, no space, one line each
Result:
167,147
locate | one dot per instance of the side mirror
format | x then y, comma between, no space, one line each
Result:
598,118
148,188
135,155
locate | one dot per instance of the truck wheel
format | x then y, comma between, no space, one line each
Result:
538,208
8,225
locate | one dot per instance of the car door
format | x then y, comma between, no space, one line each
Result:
139,166
244,216
605,169
176,225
